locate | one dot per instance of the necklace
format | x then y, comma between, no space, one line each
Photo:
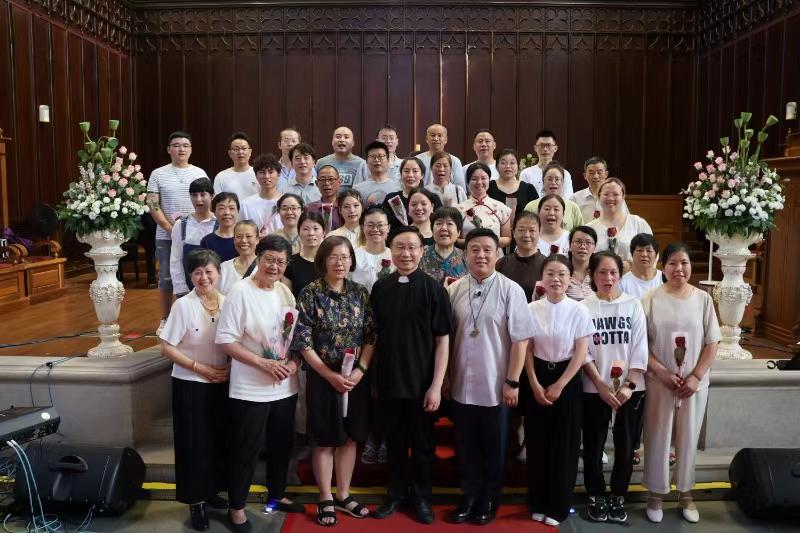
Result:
212,311
483,296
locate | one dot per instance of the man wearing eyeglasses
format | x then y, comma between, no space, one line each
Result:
328,183
412,314
168,198
546,149
379,184
239,179
342,158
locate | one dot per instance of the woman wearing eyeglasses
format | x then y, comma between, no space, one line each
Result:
582,241
374,259
290,207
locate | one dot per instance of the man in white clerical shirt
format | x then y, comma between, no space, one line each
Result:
546,148
484,145
436,137
239,179
595,172
492,326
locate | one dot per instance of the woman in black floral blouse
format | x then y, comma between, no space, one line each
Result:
335,317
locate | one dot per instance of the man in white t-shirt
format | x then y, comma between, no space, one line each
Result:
262,208
546,149
342,158
240,178
595,172
436,137
168,199
388,136
484,145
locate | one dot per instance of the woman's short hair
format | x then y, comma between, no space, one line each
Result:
441,155
326,249
594,263
288,195
559,258
508,151
348,193
313,216
201,257
527,215
246,223
413,159
448,212
584,229
201,185
476,166
643,240
374,210
221,197
555,165
547,197
612,180
273,243
433,198
672,249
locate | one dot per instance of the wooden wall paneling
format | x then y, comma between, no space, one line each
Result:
299,87
172,82
197,80
703,103
727,108
375,85
60,113
657,127
222,94
7,100
631,94
401,91
606,105
427,92
773,103
791,73
682,122
151,139
740,81
42,48
323,92
104,87
272,93
479,91
505,109
530,95
127,116
755,78
246,98
555,77
90,88
454,92
580,121
349,82
715,81
23,180
115,94
76,114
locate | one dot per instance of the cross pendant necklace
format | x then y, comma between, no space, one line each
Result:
475,331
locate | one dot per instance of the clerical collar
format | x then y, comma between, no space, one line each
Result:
406,279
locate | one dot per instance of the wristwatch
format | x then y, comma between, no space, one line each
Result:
631,385
512,384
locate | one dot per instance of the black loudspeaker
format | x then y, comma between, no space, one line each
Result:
767,482
78,477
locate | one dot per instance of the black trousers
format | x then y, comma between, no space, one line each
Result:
553,438
481,435
249,421
410,427
627,427
199,425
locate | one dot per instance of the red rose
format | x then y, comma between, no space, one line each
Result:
616,371
680,342
288,319
596,213
395,201
470,212
554,249
612,232
540,290
386,263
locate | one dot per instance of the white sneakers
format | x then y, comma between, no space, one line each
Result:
539,517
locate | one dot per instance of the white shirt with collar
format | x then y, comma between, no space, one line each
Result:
492,168
456,174
308,192
534,174
195,231
587,203
243,184
557,327
480,363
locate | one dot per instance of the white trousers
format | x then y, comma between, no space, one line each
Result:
660,416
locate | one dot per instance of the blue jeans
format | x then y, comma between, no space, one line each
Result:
163,248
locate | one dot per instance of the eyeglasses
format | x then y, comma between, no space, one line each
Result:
272,261
545,146
585,244
290,208
240,149
378,157
178,146
406,248
326,180
372,226
338,258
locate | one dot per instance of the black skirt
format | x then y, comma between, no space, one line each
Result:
199,424
326,425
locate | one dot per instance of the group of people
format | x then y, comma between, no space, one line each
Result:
325,297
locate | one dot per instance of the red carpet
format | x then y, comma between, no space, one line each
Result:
511,518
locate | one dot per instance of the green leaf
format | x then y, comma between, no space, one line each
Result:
83,155
762,137
112,142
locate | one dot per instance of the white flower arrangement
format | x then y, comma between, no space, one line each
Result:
735,193
111,192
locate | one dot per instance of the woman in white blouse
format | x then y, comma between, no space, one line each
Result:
441,172
683,333
613,381
199,389
479,210
350,205
616,227
644,274
562,329
553,238
255,331
374,259
245,239
582,241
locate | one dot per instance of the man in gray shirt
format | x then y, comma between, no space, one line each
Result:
342,157
375,189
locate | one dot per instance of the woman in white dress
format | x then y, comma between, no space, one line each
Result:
374,258
480,210
553,238
245,239
683,334
616,227
351,206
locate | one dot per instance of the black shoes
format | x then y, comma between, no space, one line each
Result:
199,517
463,512
217,502
387,508
616,509
423,511
598,508
485,513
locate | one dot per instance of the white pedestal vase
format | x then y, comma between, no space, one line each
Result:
732,294
106,291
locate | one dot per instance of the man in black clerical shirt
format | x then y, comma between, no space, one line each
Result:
412,311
